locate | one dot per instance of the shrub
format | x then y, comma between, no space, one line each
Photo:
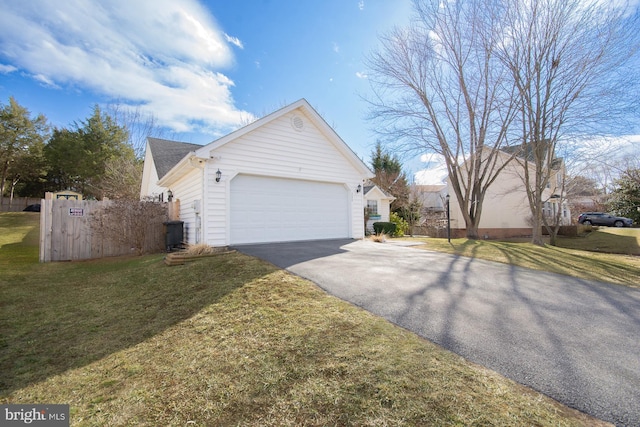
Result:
388,228
380,238
402,226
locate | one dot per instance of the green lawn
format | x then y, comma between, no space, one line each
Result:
606,254
226,340
625,241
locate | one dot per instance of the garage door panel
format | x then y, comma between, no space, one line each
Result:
267,209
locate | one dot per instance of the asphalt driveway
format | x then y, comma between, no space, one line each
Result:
574,340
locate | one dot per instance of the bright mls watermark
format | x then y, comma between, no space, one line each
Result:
34,415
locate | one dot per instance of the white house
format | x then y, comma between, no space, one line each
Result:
432,197
505,211
285,177
377,205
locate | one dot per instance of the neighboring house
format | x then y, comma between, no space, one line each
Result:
432,213
431,197
285,177
505,210
377,205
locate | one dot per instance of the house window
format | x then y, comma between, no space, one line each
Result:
372,207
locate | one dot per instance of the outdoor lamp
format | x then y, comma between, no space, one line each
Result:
169,195
448,220
218,175
359,188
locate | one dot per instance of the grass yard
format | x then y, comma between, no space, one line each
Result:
606,254
625,241
226,341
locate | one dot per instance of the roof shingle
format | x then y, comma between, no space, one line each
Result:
166,153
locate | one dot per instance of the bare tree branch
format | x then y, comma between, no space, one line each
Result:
439,87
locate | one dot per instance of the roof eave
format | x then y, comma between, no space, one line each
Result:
179,170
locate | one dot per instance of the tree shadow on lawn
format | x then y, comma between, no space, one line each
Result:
557,261
61,316
614,241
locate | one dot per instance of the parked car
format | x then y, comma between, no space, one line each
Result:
32,208
601,218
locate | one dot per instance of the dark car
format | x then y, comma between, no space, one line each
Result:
32,208
601,218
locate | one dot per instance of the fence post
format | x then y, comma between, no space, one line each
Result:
46,213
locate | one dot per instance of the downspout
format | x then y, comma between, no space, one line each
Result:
199,163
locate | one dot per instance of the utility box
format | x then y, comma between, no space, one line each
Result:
173,234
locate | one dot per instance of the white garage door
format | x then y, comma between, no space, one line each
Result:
280,210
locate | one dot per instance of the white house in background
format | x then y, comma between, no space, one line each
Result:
505,211
285,177
377,205
432,197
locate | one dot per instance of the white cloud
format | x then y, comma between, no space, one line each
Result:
6,69
435,171
234,40
166,56
361,5
361,75
336,47
46,81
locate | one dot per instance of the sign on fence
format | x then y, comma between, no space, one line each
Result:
76,212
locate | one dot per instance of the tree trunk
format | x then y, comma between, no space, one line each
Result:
536,226
472,232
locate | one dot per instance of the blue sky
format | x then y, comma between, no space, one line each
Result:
202,68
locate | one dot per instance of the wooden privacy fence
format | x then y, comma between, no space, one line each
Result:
17,204
67,234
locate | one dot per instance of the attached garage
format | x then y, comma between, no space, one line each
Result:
266,209
285,177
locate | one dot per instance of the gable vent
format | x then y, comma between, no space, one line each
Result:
297,123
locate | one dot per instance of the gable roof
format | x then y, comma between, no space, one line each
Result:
207,150
166,154
372,187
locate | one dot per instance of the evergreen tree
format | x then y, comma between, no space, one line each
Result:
389,177
21,139
625,198
79,158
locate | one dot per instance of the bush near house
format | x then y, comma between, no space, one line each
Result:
388,228
402,226
396,227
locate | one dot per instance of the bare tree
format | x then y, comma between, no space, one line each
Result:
138,124
121,179
439,87
570,61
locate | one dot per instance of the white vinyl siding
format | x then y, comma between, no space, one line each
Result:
276,150
293,145
189,191
149,187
